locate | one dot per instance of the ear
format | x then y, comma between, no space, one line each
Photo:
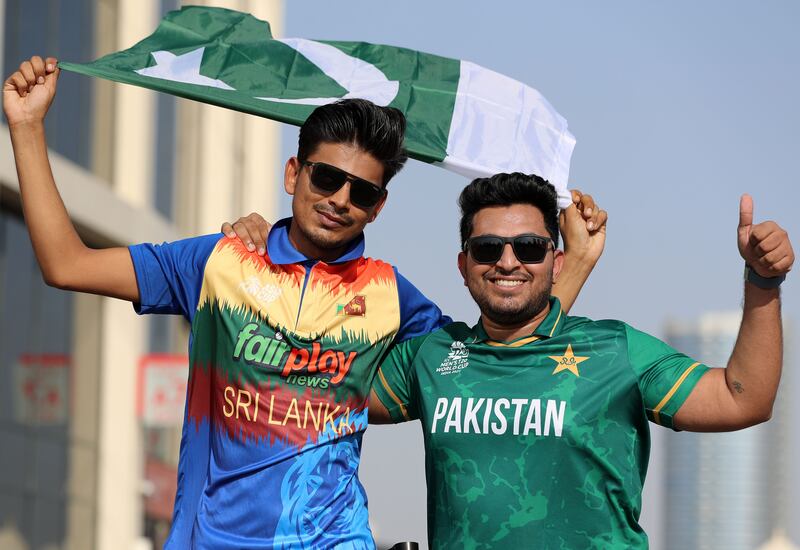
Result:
558,263
378,207
290,174
462,266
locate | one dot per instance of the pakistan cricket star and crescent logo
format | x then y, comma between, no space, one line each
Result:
569,361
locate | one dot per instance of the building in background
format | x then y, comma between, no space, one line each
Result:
728,490
79,467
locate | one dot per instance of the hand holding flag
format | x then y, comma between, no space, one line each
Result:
29,92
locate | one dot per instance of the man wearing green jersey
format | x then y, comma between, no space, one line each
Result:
535,422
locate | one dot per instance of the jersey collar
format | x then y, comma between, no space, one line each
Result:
548,328
281,251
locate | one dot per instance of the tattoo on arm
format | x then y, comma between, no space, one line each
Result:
738,386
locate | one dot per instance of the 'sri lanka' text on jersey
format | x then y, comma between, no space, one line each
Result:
282,354
542,442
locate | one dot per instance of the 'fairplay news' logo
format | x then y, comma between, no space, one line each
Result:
275,353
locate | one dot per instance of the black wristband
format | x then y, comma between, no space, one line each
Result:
766,283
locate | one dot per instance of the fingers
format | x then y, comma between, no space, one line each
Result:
587,206
771,248
745,211
584,203
31,72
16,82
37,64
26,69
252,230
263,233
243,232
598,221
595,217
248,233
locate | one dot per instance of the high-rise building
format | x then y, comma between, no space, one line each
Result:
79,468
725,490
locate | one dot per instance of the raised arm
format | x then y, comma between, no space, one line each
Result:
742,394
64,260
583,229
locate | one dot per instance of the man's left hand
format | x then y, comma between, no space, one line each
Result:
765,247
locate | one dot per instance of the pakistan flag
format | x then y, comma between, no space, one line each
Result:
462,116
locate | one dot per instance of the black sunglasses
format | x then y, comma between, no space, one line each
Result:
528,248
330,179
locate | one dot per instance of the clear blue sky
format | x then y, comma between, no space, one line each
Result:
678,108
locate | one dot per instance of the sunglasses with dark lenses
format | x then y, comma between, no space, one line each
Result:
528,248
330,179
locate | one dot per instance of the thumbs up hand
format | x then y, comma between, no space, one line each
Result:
765,246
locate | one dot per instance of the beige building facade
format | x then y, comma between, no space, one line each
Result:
132,166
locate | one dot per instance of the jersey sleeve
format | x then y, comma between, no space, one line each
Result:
666,377
170,275
418,315
395,379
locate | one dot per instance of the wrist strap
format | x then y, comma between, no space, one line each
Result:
766,283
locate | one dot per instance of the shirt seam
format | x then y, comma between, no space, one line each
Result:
392,395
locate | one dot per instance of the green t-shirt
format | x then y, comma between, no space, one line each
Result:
542,442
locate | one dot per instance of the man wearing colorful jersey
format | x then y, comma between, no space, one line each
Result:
535,422
284,345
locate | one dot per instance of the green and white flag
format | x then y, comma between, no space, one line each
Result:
464,117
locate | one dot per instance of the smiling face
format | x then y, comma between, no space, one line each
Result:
324,223
509,292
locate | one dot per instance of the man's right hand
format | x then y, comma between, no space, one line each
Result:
252,230
29,92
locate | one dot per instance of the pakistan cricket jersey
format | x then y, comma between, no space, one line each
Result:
282,355
541,442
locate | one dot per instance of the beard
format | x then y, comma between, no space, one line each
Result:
505,312
326,240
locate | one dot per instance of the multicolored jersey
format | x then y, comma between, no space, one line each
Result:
541,442
282,355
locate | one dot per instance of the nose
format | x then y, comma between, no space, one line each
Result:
508,260
340,200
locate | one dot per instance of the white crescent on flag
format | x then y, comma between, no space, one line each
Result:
360,79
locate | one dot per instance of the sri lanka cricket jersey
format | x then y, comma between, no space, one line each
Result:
541,442
282,355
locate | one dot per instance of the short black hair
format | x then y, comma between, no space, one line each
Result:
505,190
376,130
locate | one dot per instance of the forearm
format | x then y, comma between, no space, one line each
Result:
754,369
570,281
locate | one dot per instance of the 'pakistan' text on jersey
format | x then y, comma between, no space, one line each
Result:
283,353
541,442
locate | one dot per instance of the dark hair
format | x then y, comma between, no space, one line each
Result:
505,190
376,130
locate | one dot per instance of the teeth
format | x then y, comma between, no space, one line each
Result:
506,282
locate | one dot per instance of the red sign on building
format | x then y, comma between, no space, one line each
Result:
41,389
162,389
